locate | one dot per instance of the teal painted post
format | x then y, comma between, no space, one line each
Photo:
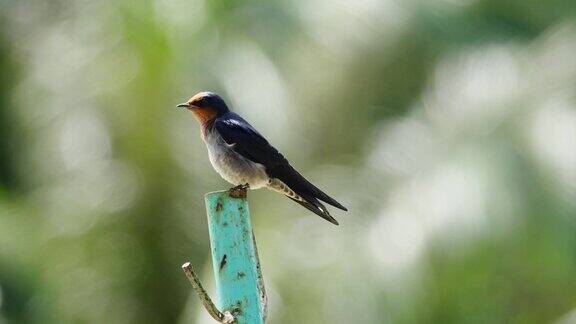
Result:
235,258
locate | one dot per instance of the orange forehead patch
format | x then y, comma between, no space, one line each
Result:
197,97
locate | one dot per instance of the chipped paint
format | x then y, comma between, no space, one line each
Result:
222,263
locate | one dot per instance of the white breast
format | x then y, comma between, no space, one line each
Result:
232,166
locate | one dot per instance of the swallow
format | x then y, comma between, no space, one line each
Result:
245,159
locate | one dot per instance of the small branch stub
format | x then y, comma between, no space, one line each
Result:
225,317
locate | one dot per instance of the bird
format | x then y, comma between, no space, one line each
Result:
244,158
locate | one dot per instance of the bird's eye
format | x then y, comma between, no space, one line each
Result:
199,102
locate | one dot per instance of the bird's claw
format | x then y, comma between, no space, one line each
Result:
239,191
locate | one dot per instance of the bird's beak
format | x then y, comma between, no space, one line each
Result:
183,105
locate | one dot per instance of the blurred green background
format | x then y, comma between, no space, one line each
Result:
448,127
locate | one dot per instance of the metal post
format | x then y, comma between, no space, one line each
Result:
235,258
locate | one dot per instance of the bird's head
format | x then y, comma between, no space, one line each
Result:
205,106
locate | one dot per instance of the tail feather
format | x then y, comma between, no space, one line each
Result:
317,208
325,198
297,182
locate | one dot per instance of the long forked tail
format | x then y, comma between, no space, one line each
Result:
296,182
317,208
308,202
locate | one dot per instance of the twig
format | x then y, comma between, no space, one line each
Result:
225,317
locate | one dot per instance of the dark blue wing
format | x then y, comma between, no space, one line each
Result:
253,146
247,141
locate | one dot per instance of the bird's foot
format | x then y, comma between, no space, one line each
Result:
239,191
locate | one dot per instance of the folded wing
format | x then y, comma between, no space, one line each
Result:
250,144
